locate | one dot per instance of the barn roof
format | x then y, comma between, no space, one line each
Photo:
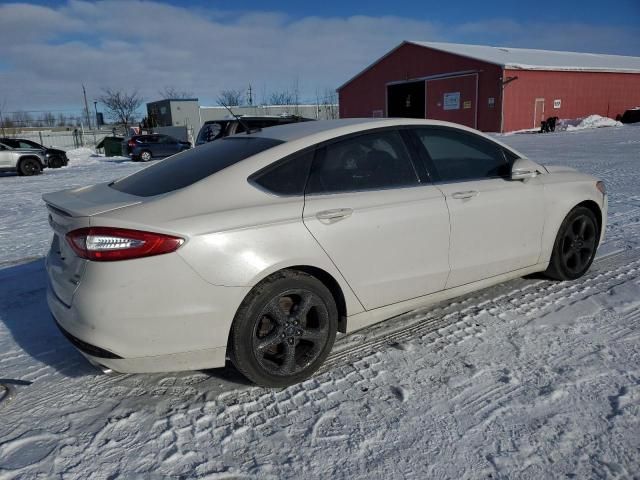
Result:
527,58
530,59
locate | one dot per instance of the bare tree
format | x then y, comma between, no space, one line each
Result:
284,97
3,121
173,93
120,105
231,98
48,119
21,118
328,104
62,120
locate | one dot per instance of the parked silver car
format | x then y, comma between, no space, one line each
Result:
24,161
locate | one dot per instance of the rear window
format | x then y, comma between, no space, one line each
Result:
186,168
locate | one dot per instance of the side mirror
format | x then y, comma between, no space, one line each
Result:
524,169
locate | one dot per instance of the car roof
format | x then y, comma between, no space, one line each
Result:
295,131
258,117
322,130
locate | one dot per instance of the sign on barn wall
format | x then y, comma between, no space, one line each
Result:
557,103
451,101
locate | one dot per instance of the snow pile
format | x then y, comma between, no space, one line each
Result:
592,121
84,156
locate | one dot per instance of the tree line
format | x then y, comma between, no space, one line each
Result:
121,105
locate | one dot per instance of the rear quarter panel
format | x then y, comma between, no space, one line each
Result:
235,237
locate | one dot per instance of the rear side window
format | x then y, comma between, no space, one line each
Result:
458,155
287,177
190,166
366,162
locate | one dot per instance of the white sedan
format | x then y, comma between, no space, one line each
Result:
260,247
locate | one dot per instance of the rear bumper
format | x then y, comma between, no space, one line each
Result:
148,315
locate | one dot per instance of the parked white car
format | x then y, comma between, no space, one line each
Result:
260,247
21,160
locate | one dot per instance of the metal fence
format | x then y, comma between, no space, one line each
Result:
64,139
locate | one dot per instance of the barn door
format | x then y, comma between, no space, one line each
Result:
406,100
538,112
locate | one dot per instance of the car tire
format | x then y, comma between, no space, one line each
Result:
56,162
145,156
575,246
284,329
29,167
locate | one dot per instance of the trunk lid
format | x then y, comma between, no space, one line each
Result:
70,210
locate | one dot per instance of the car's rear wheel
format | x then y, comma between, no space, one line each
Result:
284,329
575,245
29,166
145,155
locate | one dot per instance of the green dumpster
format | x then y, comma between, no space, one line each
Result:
112,146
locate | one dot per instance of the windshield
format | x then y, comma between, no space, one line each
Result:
186,168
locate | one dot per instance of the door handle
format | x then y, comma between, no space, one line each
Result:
334,214
463,195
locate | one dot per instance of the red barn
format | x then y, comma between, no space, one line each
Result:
492,89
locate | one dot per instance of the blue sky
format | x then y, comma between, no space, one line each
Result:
49,48
598,12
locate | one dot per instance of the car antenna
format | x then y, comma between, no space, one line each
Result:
239,119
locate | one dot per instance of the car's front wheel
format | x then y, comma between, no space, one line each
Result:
284,329
56,162
575,245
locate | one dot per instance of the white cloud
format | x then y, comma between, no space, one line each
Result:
47,53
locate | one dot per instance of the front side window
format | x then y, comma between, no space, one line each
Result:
366,162
459,156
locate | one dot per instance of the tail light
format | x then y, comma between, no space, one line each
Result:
601,188
106,244
131,143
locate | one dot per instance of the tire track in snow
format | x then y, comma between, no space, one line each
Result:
461,318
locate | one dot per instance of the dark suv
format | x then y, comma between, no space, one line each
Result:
146,147
215,129
54,158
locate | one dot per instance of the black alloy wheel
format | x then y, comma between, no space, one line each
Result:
284,329
575,246
291,332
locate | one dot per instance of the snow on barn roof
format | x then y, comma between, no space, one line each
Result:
527,58
530,59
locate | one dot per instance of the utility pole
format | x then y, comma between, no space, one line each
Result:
250,96
1,119
86,108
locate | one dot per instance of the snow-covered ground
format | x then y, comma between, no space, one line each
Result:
528,379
